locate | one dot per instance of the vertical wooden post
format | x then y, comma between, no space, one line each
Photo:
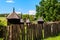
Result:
30,32
23,31
55,27
47,30
59,27
27,31
40,27
34,26
18,32
9,33
4,33
14,32
39,32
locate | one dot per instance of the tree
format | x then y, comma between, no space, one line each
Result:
49,10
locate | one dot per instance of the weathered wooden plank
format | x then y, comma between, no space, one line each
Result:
55,28
47,30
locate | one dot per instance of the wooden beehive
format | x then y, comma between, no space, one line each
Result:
13,18
40,21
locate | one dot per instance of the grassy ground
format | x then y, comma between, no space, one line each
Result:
1,38
53,38
50,38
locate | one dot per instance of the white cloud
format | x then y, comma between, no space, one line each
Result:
18,12
25,13
9,1
32,12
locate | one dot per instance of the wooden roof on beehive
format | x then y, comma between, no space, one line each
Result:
27,19
13,15
40,19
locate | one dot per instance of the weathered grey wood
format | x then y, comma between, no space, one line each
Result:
55,28
23,31
39,32
59,27
18,32
4,33
34,31
27,31
13,32
47,30
9,32
30,32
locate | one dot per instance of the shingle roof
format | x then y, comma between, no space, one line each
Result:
27,21
40,19
13,15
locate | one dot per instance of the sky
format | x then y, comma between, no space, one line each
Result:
24,6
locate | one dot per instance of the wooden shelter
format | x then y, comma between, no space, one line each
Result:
21,20
13,18
40,20
28,20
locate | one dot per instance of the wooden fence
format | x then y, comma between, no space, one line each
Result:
31,31
51,29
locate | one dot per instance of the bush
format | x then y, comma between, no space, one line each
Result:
1,28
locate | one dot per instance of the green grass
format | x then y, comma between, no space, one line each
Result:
53,38
1,38
3,20
50,38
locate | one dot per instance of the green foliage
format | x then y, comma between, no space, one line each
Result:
3,15
3,21
31,17
1,38
1,24
49,10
